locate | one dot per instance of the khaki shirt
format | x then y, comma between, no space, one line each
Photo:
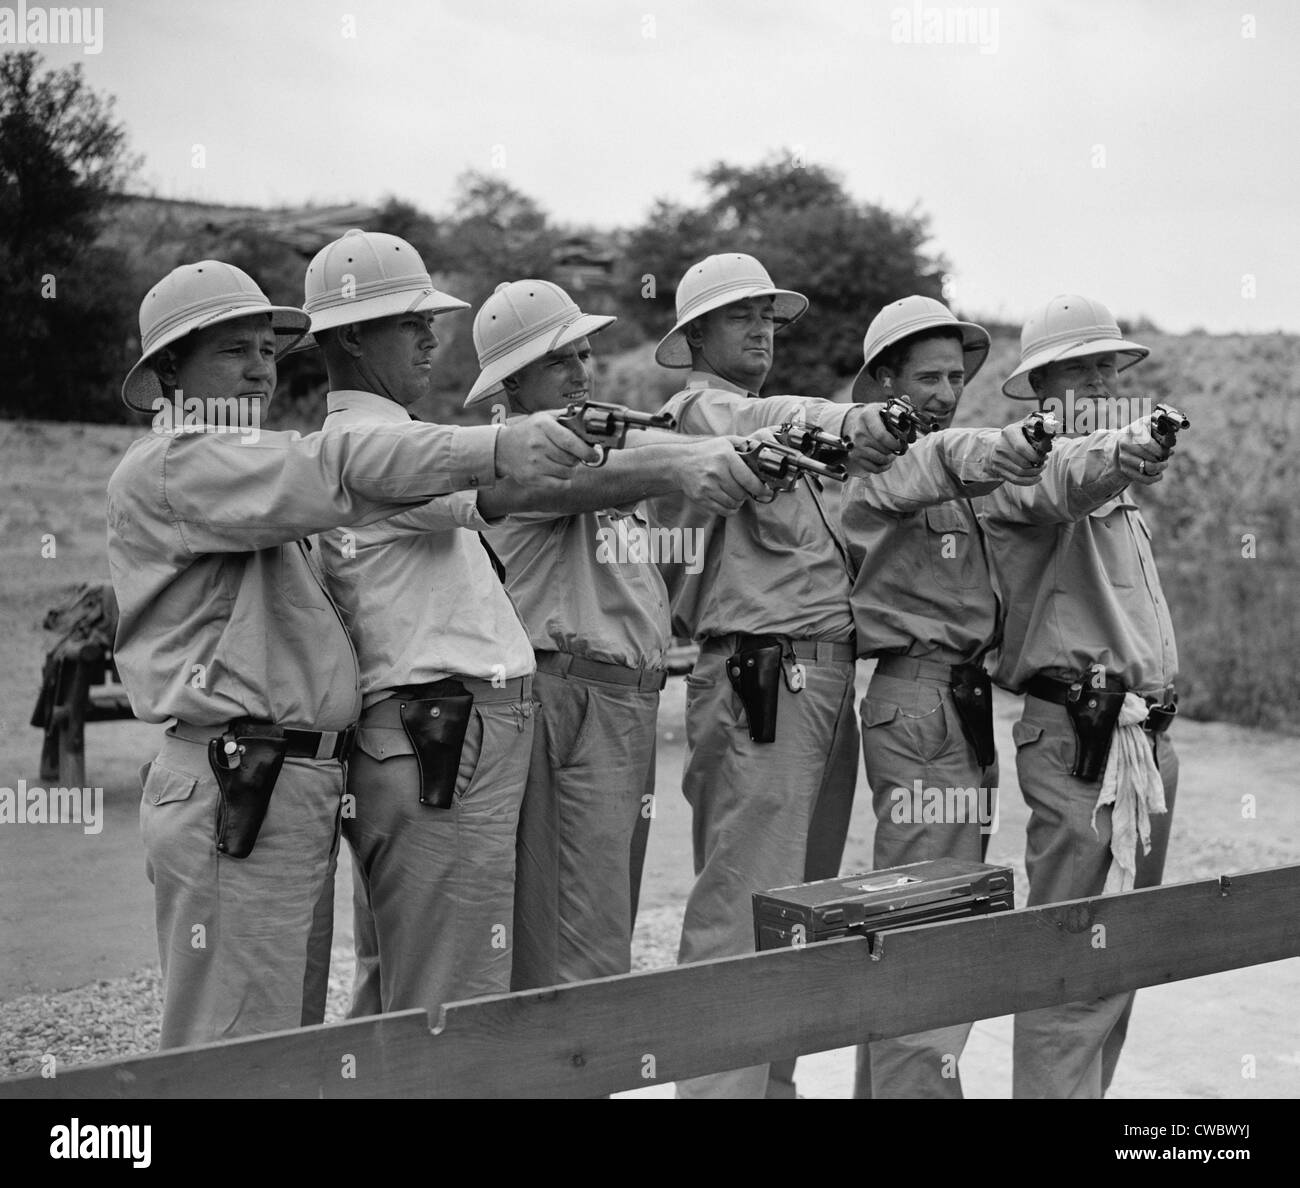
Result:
222,615
417,591
1080,582
777,568
587,583
923,586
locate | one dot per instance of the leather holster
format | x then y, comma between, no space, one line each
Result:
246,762
972,694
755,674
1093,714
435,727
1160,716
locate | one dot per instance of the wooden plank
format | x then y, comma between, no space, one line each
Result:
619,1033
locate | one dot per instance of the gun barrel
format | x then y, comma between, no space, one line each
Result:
815,443
780,465
605,423
1040,431
640,420
1169,418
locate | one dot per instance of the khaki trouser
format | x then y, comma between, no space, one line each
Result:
1072,1050
826,838
233,933
316,982
433,890
752,805
592,749
641,834
911,732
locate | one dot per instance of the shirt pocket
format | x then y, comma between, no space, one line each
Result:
953,546
789,524
1116,549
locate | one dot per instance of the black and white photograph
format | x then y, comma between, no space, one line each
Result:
650,549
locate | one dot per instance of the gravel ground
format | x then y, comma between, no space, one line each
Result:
110,1019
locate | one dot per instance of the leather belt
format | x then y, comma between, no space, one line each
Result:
647,680
1058,692
484,691
908,668
388,712
819,651
321,745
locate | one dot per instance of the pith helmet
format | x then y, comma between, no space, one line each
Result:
521,322
1068,327
364,275
717,281
902,319
194,296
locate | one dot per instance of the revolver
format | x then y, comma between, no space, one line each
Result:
1040,431
815,443
781,467
903,421
606,425
1166,421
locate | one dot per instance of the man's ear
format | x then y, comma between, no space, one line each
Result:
694,332
349,339
1035,378
165,365
511,384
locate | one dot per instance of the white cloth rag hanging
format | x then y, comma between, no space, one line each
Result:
1133,785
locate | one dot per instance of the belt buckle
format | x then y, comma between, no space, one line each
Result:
325,743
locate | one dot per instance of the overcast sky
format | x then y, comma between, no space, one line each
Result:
1141,153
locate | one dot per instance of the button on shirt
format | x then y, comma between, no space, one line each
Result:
221,613
418,591
1079,578
775,568
923,585
588,584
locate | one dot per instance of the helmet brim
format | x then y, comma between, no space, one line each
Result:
1017,384
142,389
975,345
673,349
492,377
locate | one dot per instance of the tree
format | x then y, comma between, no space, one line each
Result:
494,233
850,259
63,159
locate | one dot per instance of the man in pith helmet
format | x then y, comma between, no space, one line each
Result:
581,571
446,724
1088,639
226,631
925,609
773,591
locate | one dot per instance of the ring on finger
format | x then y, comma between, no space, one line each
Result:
1142,466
